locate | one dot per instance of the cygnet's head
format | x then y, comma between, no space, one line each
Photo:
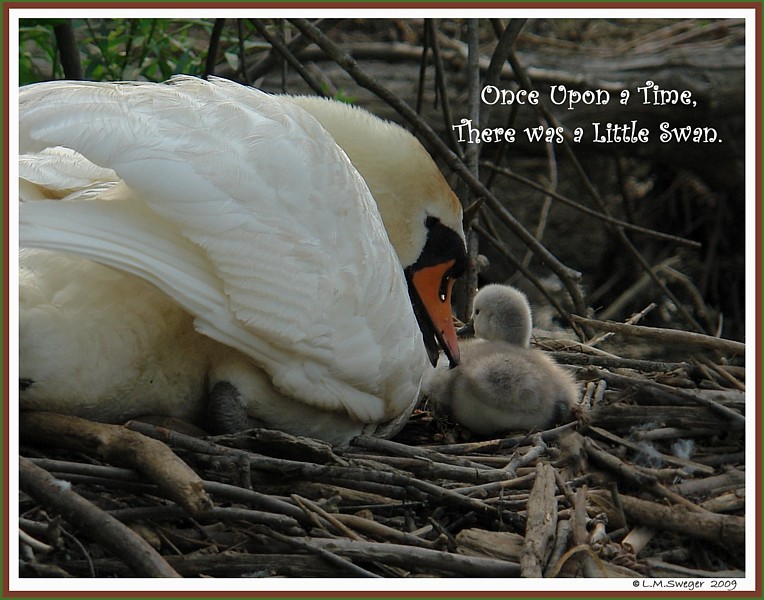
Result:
501,312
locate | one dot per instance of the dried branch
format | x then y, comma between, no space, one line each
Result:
410,558
605,218
68,50
213,47
56,496
728,530
541,523
667,336
285,52
116,444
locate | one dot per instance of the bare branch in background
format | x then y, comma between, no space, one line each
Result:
68,50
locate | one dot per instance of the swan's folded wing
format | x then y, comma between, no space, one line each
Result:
60,172
273,209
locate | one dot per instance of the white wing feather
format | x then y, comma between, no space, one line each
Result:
243,209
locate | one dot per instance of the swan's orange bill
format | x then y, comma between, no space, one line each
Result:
433,285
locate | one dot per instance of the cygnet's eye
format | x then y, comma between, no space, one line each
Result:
477,312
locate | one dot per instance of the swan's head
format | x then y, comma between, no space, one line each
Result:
422,215
501,312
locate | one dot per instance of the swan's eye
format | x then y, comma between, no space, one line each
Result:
477,312
444,287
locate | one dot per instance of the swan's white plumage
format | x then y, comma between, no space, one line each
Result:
73,346
240,207
57,172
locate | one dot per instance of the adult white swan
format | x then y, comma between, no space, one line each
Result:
203,242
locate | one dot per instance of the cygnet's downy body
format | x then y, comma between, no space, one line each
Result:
501,383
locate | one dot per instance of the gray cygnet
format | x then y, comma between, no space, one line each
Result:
502,384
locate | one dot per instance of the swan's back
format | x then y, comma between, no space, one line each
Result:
242,209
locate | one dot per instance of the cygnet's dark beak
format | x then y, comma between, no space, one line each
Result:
467,330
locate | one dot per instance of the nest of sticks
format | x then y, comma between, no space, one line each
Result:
648,481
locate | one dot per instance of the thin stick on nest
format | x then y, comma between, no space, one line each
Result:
408,556
110,533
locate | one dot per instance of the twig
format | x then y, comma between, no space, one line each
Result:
423,66
671,433
441,84
562,536
521,460
35,544
296,46
616,466
541,523
586,210
385,533
469,281
611,361
436,470
270,503
411,558
311,507
212,48
314,548
720,370
121,541
731,501
547,205
286,53
707,485
580,519
632,320
68,50
657,389
672,460
76,468
667,336
279,522
728,530
506,38
114,443
521,482
242,68
398,449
